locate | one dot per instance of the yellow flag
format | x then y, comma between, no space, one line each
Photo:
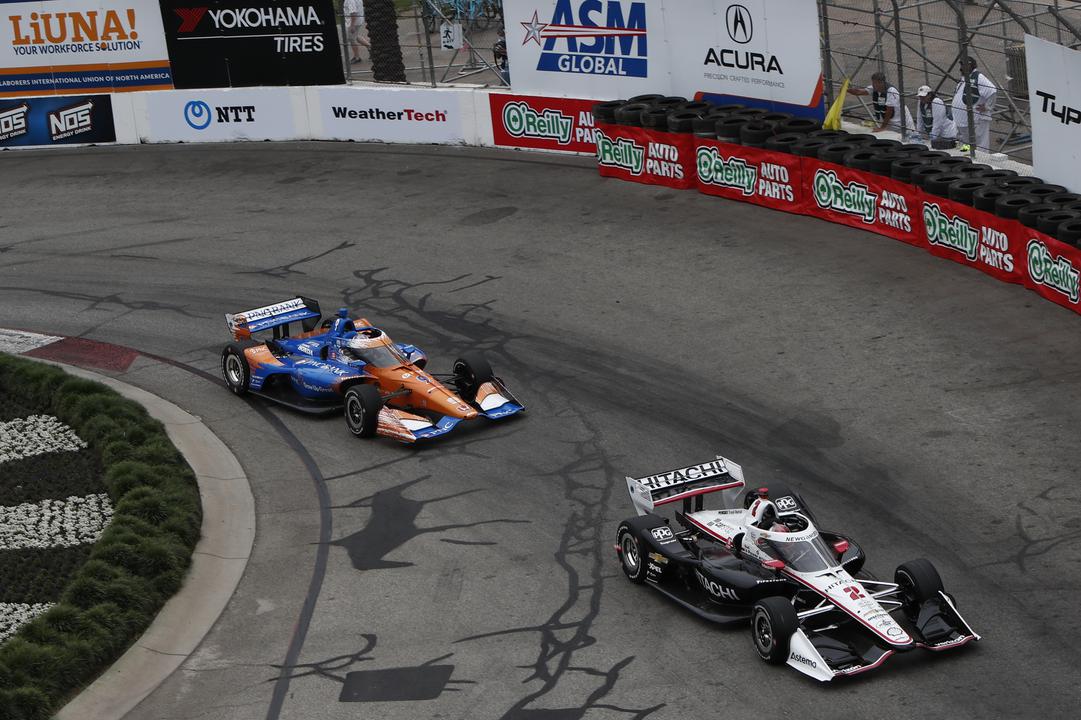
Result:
833,117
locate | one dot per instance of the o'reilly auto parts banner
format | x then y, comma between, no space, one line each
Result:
220,115
70,46
765,50
546,123
382,115
56,120
238,43
646,156
750,174
1054,88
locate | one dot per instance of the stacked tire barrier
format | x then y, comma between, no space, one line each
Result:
1017,229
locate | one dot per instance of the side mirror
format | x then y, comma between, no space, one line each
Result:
840,547
774,564
324,353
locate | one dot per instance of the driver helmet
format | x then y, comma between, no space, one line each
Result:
763,513
355,343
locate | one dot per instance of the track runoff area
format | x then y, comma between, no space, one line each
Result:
920,409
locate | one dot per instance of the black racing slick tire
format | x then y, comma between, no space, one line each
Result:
362,406
919,581
235,369
773,622
471,370
632,552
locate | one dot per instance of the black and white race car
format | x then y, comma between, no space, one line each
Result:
762,558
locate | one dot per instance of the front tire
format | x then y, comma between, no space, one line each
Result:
919,581
362,406
471,370
235,369
773,622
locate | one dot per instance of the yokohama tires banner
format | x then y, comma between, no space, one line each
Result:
646,156
742,173
241,43
862,199
544,123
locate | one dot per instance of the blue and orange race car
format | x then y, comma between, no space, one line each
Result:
342,363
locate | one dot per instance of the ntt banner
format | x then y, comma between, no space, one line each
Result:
764,50
58,47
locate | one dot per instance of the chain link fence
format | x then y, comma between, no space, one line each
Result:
922,42
430,42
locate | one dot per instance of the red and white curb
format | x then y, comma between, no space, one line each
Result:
219,559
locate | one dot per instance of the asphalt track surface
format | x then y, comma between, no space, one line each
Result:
924,408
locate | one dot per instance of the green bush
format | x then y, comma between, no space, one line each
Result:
136,565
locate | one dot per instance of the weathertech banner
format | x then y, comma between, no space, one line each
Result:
544,123
862,199
743,173
239,43
60,47
56,120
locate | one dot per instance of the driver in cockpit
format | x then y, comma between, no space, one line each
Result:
764,517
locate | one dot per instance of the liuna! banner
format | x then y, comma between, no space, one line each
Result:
57,47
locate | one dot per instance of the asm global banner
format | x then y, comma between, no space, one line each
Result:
70,46
765,50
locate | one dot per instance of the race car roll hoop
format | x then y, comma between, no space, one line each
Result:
342,364
810,603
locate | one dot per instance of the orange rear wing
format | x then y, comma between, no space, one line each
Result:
647,493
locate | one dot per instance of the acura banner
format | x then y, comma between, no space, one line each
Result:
237,43
767,50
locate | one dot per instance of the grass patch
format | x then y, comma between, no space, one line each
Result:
112,591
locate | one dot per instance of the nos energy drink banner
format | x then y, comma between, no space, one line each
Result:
56,120
766,51
71,46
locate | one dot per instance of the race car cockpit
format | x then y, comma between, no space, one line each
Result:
370,346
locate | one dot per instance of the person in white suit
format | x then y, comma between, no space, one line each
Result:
979,93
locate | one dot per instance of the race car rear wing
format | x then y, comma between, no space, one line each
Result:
302,309
662,488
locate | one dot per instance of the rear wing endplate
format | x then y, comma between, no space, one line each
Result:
301,309
684,483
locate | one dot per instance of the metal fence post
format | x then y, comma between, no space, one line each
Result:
346,50
962,51
827,58
900,68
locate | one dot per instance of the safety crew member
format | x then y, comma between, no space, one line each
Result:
979,93
933,120
885,104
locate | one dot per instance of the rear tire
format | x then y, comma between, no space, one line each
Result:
471,370
631,555
362,406
919,581
235,369
773,622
